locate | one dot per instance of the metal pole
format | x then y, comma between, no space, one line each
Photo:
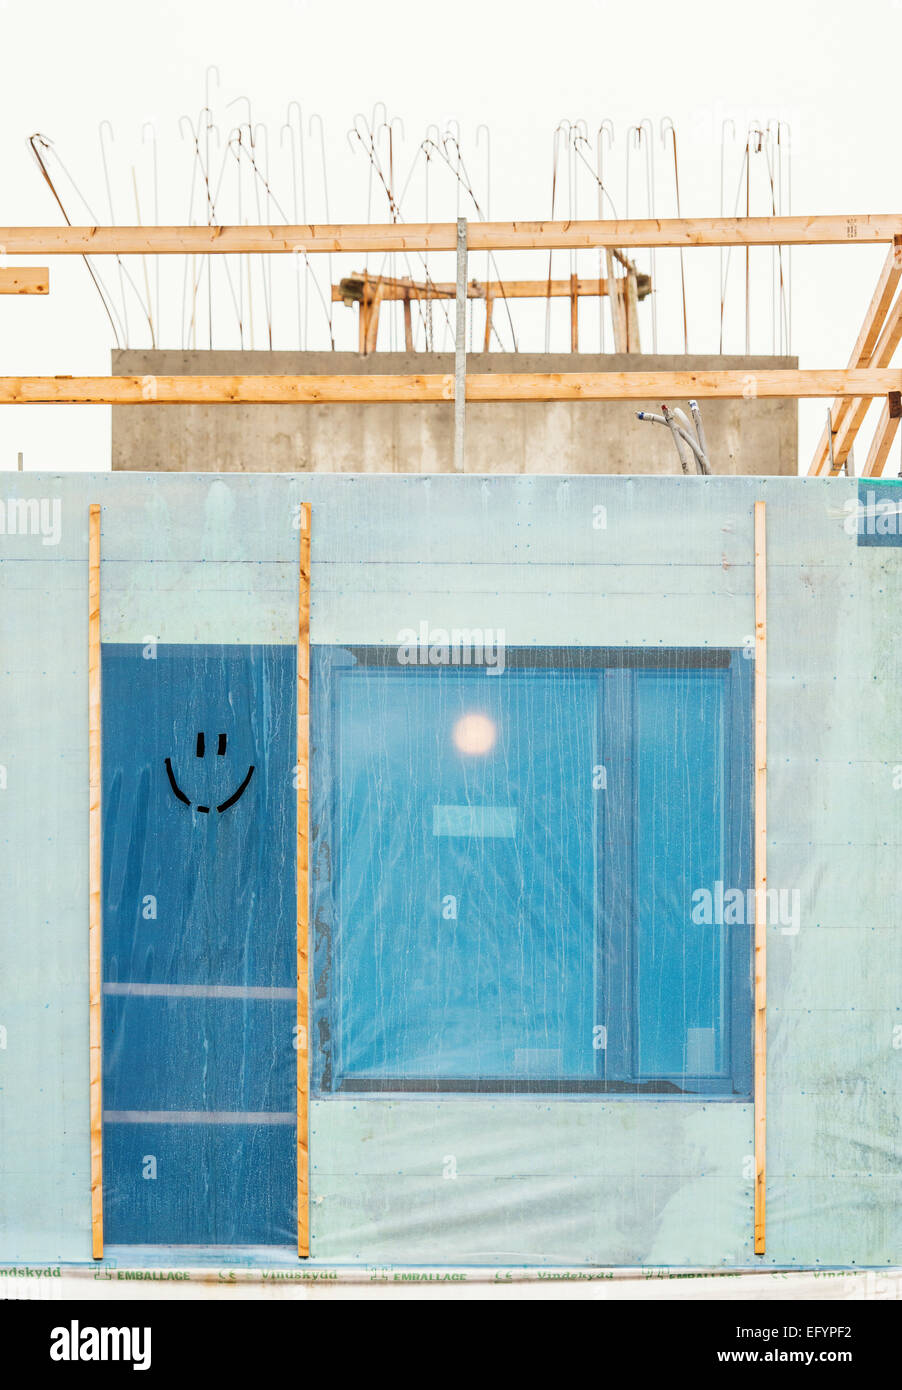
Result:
460,347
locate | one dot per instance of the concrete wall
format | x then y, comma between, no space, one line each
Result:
552,1180
744,436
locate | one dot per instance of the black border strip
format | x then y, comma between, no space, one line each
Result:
569,658
538,1086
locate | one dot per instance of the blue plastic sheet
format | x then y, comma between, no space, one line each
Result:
506,870
503,872
457,1114
199,992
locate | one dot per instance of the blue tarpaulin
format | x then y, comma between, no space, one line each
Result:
199,927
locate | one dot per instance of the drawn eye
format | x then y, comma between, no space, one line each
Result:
200,745
222,745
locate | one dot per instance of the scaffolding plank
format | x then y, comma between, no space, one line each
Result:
485,386
24,279
830,229
882,442
865,343
883,354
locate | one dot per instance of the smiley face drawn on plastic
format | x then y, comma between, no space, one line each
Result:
201,749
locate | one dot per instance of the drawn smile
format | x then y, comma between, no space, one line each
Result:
223,805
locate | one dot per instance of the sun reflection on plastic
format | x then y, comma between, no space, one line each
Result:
475,734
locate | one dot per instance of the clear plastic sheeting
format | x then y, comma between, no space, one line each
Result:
199,982
531,834
507,862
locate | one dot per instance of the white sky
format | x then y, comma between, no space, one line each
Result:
828,68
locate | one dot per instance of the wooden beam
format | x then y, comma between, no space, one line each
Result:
372,327
24,279
302,777
222,390
631,300
884,435
864,347
874,319
363,320
854,417
489,308
574,315
617,297
408,326
350,289
481,386
95,1031
829,230
878,308
654,385
760,875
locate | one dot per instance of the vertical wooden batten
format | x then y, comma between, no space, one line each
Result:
574,314
760,875
489,305
303,858
94,882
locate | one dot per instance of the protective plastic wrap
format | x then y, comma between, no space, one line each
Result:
508,857
199,921
531,855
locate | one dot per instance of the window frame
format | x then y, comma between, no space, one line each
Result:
618,668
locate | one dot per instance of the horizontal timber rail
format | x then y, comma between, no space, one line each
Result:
483,386
820,230
352,286
24,279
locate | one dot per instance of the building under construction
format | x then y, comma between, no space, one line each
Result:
451,821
